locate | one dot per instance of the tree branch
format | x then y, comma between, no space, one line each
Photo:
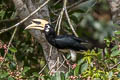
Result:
8,46
4,30
24,11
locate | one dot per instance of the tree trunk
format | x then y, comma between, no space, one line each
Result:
24,8
115,10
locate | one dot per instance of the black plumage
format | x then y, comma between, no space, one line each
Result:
63,41
59,41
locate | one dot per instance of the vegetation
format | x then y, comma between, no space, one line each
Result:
19,59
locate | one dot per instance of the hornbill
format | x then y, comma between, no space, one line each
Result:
59,41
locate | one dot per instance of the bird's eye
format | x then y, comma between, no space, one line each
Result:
48,26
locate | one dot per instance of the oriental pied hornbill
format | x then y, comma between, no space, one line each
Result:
59,41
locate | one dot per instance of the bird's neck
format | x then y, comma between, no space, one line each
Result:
51,37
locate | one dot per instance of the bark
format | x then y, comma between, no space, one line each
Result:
24,8
115,10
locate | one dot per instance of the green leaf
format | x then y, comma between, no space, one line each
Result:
10,57
35,74
117,32
4,75
62,76
84,67
67,74
13,49
26,69
76,71
58,77
10,78
118,67
110,75
2,14
12,65
115,53
53,77
81,61
47,77
118,75
114,48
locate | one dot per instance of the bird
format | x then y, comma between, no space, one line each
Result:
66,41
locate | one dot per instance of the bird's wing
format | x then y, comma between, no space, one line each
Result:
78,39
64,41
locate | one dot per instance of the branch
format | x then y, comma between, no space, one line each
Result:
39,36
114,65
68,19
71,6
4,30
8,46
56,2
43,69
60,20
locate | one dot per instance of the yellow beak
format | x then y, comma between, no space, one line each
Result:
37,24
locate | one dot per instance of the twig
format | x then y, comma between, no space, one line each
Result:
53,66
8,46
71,6
114,65
53,12
51,48
56,2
4,30
58,62
42,69
66,61
57,23
61,65
68,19
60,20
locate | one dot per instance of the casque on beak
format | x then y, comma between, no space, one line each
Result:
37,24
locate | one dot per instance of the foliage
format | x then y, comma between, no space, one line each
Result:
23,62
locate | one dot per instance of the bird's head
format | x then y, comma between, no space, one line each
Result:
39,24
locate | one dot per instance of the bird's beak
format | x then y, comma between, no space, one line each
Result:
37,24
